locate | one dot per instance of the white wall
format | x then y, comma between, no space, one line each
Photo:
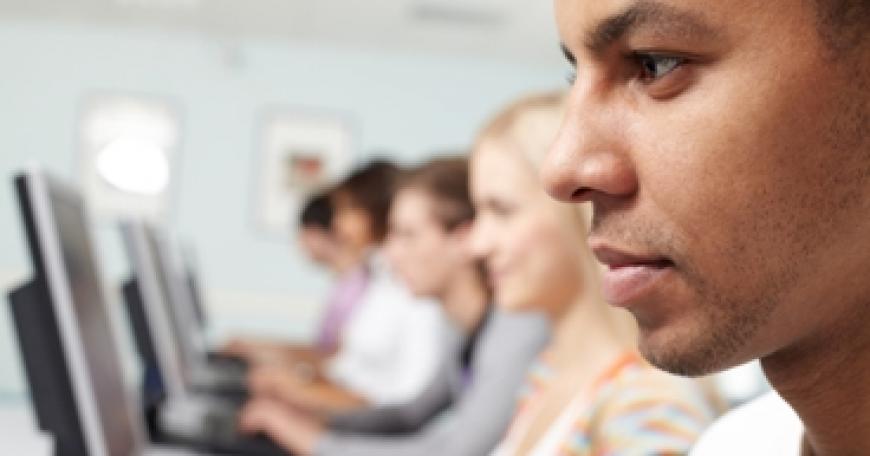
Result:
410,104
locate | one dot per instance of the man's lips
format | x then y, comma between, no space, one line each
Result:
615,258
629,276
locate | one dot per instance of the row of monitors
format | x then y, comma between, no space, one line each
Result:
64,327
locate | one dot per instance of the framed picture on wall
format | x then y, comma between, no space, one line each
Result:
300,152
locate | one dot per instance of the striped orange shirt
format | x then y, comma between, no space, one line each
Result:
632,409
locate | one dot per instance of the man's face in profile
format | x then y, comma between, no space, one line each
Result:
724,147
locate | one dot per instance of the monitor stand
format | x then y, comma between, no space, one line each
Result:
153,387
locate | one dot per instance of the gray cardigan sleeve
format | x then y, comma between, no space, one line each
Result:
480,416
399,419
410,417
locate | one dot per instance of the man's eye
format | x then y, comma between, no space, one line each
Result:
654,67
571,76
500,210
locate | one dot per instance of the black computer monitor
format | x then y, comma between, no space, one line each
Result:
186,304
63,326
168,333
147,297
169,266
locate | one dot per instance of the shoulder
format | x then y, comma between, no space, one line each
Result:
506,330
764,426
508,345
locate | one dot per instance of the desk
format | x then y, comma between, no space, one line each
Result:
19,435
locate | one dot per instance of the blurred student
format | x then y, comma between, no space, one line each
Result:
391,345
590,392
488,351
320,244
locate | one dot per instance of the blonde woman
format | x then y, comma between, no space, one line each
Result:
590,393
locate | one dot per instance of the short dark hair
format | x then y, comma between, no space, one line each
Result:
371,188
317,212
843,24
446,181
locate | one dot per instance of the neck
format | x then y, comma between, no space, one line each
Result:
360,254
465,299
586,334
824,379
342,264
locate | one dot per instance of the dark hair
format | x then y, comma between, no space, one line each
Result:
317,212
371,188
843,24
446,181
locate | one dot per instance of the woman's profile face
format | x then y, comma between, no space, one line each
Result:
523,237
423,254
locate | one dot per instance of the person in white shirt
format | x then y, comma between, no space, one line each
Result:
725,149
391,345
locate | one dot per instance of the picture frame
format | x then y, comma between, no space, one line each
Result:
300,152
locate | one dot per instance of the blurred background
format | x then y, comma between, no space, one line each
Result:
176,108
194,112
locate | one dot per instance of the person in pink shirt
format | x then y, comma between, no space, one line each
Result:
338,228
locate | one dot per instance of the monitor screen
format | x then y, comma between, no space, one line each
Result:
80,278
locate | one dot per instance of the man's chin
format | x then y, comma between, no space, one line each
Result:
680,355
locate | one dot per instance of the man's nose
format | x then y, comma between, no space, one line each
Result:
589,159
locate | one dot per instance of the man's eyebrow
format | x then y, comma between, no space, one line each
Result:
642,14
568,55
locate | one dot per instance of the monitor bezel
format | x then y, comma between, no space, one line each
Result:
181,300
40,189
173,366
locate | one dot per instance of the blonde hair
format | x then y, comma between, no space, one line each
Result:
526,126
526,129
